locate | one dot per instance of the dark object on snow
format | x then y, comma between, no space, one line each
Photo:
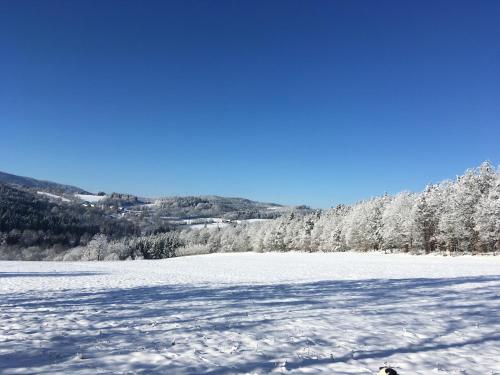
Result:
387,371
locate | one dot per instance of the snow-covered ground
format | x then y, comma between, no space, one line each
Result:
252,313
207,225
52,196
90,197
210,222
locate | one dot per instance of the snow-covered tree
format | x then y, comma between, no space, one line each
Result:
363,223
457,226
398,225
157,246
96,248
487,218
460,215
426,213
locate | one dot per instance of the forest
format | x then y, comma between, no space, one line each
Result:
460,216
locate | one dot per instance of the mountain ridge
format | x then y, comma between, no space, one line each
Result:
33,183
153,209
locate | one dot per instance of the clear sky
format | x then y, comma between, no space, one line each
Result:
314,102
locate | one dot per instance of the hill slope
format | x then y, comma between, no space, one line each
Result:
47,186
29,219
150,209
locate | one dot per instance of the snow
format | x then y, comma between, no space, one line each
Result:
275,208
207,225
211,222
296,313
90,197
221,223
199,223
53,196
203,220
251,221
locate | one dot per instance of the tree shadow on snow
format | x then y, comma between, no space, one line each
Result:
148,317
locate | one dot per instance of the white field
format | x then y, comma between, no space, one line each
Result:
90,197
252,313
53,196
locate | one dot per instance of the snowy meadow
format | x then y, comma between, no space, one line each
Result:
297,313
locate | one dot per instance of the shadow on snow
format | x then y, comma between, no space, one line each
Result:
149,317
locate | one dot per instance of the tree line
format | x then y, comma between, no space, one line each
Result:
456,217
460,216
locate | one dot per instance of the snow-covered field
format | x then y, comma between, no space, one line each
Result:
52,196
90,197
252,313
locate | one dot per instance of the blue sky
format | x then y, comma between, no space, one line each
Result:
314,102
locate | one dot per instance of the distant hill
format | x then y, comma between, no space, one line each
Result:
30,219
215,206
45,218
47,186
147,213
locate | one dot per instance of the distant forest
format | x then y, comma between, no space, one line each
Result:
453,217
35,226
